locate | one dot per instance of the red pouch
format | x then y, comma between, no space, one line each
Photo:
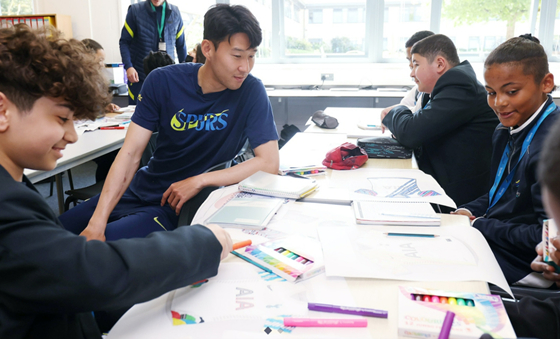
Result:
345,157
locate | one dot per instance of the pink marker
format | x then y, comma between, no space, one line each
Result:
310,322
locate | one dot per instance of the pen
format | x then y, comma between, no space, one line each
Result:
252,262
241,244
372,125
419,235
309,322
368,312
447,324
111,127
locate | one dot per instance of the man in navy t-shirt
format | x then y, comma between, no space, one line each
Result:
204,115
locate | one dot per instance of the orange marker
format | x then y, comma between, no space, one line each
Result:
241,244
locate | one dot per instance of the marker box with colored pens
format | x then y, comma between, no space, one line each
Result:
294,258
422,311
549,231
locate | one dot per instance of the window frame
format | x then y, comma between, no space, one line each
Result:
374,19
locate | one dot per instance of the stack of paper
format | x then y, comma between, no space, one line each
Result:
413,213
277,186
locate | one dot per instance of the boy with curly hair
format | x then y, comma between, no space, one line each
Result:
52,279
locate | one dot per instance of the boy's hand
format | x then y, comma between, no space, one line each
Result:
93,233
384,113
539,265
465,213
224,238
181,191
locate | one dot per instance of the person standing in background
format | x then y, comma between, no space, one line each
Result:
153,25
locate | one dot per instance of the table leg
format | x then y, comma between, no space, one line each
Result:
59,193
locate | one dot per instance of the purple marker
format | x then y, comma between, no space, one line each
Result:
447,324
367,312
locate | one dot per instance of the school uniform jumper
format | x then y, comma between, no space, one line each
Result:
52,279
451,134
140,35
513,226
196,132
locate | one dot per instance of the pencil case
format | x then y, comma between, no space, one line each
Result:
384,147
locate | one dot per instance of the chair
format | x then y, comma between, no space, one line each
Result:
84,193
190,208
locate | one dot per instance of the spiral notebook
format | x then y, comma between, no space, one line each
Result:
277,186
406,213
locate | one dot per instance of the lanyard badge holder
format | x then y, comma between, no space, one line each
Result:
161,42
495,196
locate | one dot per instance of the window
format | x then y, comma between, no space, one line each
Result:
471,25
338,16
402,19
320,30
16,7
316,16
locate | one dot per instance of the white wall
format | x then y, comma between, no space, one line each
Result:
101,20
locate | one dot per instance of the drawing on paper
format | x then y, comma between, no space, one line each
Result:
185,319
390,187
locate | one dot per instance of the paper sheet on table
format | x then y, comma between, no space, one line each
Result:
405,184
459,253
308,149
238,303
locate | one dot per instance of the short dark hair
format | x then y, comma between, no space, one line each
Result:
39,63
155,60
92,45
549,161
417,37
437,44
222,21
524,50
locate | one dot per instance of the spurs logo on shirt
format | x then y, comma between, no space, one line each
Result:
208,121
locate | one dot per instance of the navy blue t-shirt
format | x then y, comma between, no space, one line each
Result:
196,130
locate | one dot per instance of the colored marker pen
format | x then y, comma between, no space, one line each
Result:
309,322
427,298
452,301
417,235
367,312
460,301
443,300
447,324
435,299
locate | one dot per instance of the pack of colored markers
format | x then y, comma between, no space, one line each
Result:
304,171
294,258
422,311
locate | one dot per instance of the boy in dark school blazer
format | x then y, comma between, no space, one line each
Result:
452,133
51,279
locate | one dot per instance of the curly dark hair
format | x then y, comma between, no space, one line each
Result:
39,63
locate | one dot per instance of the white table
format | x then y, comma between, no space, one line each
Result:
89,146
138,322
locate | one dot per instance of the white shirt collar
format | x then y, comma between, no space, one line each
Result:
520,128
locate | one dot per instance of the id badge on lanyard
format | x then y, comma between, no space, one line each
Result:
161,45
